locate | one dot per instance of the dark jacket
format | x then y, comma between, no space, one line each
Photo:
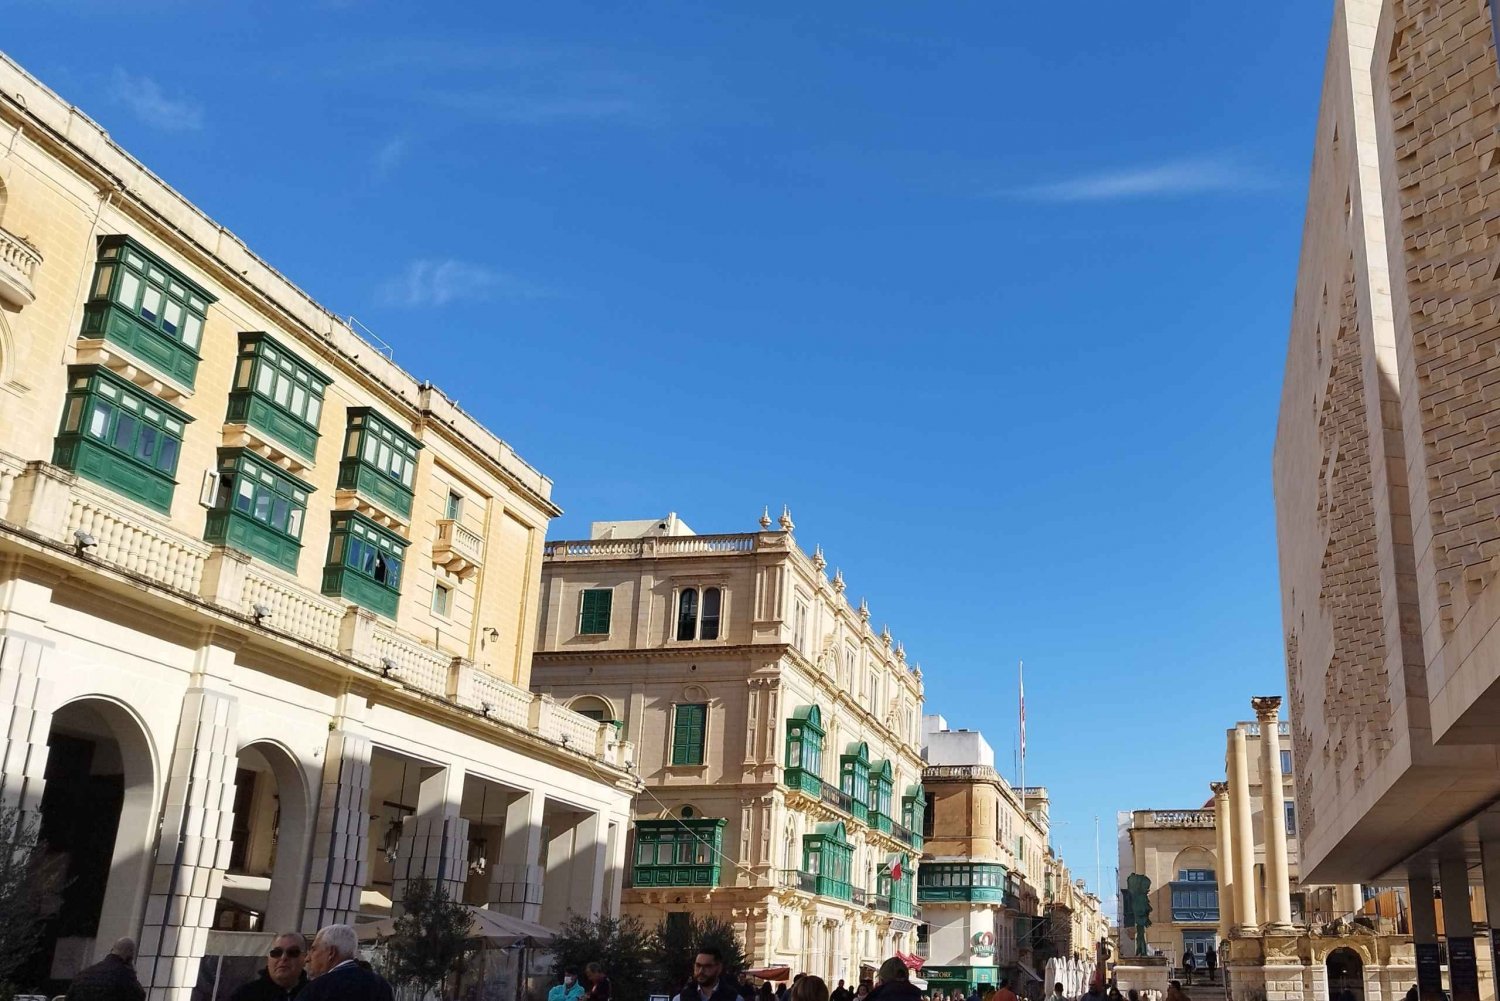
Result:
110,979
724,990
896,990
347,983
263,988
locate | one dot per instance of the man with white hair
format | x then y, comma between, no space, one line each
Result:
336,974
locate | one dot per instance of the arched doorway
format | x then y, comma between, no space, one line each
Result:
263,881
1346,975
98,821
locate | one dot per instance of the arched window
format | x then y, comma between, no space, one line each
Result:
594,708
3,197
687,614
708,622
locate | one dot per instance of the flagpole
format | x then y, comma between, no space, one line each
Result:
1021,680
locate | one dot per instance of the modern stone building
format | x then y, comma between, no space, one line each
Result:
267,604
1287,936
777,733
997,901
1385,473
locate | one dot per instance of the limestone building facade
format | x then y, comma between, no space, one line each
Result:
777,734
1383,472
996,900
1285,936
267,603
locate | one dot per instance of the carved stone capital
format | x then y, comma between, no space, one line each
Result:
1267,707
1219,788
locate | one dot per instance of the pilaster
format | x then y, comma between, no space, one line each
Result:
516,886
341,835
26,714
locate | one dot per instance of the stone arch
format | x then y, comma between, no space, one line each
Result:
1195,857
4,197
102,763
293,829
590,705
1346,974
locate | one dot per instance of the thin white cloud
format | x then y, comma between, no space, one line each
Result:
428,282
1164,180
389,156
144,96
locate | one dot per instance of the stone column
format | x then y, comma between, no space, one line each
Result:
434,842
1242,835
1489,854
586,875
1458,929
1273,816
516,883
341,834
1225,869
1424,934
193,850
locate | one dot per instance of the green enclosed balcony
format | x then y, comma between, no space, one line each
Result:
146,307
365,561
277,397
829,858
379,462
854,779
257,508
961,882
120,437
678,852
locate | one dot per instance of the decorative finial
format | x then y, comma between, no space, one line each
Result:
916,670
819,563
838,580
765,518
885,636
785,521
901,652
864,611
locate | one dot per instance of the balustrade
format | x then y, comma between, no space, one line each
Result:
18,263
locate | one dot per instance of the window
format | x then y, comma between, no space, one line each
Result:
828,856
379,460
698,616
278,393
454,509
147,307
258,507
1291,817
854,777
689,721
117,435
1286,762
1195,896
799,624
365,561
442,600
593,610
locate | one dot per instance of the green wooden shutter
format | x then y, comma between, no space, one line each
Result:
593,620
687,733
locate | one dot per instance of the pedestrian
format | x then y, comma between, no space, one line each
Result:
893,982
781,992
747,988
336,973
111,979
1003,991
598,983
1175,991
709,982
283,977
1132,995
1210,964
862,991
1114,993
810,988
841,993
1189,962
1057,992
569,990
766,992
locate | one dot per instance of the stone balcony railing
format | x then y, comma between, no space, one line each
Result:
1252,728
458,549
18,263
72,514
651,546
1180,818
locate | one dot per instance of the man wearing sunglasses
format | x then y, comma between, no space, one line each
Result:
284,977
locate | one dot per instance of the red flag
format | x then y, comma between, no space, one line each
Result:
896,871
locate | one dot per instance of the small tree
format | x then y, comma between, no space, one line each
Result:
679,939
431,937
621,945
29,882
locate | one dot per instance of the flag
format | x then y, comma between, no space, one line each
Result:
1022,676
896,871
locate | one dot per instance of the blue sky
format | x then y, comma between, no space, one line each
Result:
994,295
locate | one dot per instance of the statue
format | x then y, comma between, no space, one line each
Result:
1135,908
